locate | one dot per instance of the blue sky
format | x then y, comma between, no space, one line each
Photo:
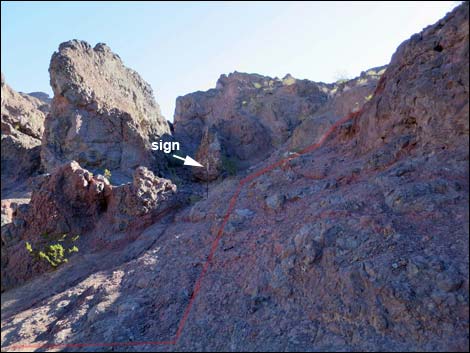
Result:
184,47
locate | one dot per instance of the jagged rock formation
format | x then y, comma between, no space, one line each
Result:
423,96
210,155
252,114
22,128
138,203
345,97
42,96
103,115
73,201
360,244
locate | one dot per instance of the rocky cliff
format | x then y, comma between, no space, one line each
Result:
22,128
254,115
103,115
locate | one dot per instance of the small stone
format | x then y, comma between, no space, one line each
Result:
275,201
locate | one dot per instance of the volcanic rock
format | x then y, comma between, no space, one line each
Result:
210,155
252,114
103,115
139,202
73,201
423,94
344,97
365,247
22,128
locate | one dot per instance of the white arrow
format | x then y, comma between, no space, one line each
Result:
189,161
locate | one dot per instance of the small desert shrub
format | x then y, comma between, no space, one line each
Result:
107,174
194,198
229,165
288,81
173,176
53,249
257,85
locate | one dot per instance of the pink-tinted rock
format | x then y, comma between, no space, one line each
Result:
424,92
210,155
103,114
22,128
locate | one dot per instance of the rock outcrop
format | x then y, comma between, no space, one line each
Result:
210,155
22,128
103,115
423,95
361,244
345,97
72,201
252,114
137,204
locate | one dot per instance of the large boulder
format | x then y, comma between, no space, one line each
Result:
137,204
22,124
103,114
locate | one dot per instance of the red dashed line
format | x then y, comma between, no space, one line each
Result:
205,268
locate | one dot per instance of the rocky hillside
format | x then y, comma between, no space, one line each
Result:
250,115
328,226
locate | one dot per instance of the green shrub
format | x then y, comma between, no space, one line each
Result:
229,165
107,174
54,254
194,198
53,249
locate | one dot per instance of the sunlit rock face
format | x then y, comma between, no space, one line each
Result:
103,114
252,114
22,128
361,244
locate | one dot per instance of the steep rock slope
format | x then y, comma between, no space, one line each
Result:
347,96
22,128
103,114
423,96
253,115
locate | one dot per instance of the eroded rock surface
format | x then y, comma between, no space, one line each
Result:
103,115
345,97
359,245
252,114
210,155
423,95
72,201
22,128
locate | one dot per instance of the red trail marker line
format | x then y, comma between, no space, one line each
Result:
205,268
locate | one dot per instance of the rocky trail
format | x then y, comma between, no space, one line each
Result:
336,219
